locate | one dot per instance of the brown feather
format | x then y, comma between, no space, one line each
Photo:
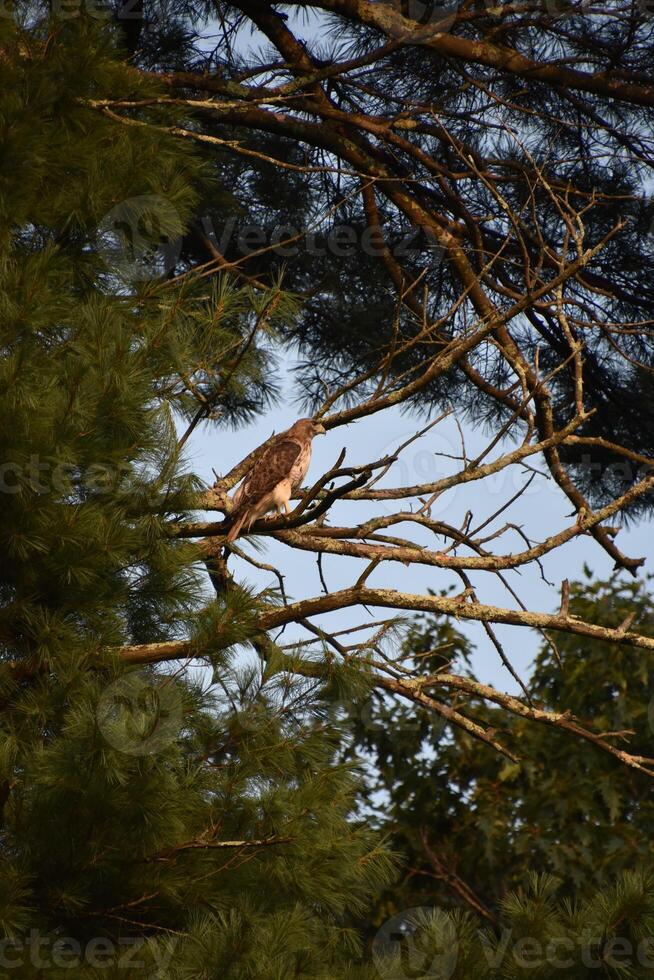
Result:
274,476
274,465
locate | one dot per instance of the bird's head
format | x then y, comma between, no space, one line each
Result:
309,427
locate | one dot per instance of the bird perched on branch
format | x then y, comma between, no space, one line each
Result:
274,476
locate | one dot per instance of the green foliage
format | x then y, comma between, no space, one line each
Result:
542,937
190,822
530,139
203,823
566,808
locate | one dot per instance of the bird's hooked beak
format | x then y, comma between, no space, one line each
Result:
320,429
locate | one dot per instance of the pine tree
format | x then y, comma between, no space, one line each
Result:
172,823
520,130
607,934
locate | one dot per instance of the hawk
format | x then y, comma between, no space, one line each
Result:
274,476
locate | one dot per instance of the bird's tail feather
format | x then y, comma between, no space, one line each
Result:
236,527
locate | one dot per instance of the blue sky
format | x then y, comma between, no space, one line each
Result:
541,511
